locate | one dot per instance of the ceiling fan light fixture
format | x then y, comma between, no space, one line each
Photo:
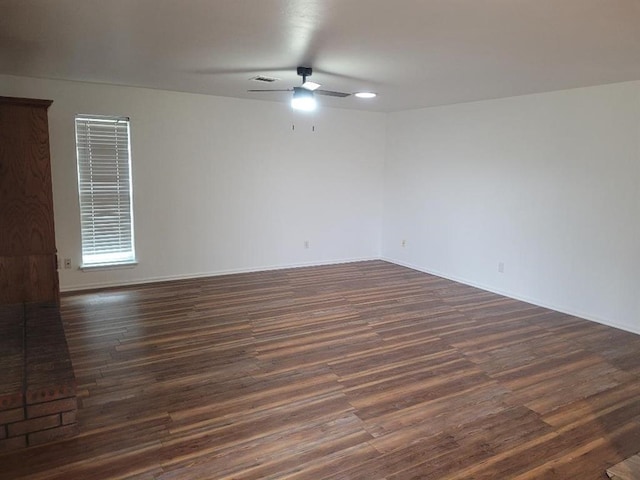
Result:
303,99
308,85
366,95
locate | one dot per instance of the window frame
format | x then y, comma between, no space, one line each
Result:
104,260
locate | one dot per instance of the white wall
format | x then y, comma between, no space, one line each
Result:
220,184
548,184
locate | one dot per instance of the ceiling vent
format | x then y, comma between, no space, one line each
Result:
264,79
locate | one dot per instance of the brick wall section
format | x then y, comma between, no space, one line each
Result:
11,358
47,421
38,395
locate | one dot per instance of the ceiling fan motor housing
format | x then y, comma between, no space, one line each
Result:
305,71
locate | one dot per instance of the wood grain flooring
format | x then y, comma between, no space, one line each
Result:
366,371
628,469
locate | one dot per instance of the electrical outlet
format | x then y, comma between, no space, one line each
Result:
501,267
306,244
67,263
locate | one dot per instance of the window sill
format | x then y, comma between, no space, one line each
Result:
107,266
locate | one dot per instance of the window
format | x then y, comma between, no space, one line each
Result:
104,184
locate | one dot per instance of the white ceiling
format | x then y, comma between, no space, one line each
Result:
413,53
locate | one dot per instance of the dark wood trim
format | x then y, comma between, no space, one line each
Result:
31,102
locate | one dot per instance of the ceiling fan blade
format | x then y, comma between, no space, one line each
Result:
271,90
329,93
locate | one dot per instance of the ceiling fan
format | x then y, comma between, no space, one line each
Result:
304,95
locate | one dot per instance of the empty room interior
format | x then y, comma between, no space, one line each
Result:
320,239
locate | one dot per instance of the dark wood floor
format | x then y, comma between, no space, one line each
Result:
358,371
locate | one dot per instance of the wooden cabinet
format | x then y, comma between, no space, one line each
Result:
28,269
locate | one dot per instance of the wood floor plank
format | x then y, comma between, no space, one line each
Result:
627,469
365,370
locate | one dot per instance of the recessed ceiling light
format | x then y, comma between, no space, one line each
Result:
366,95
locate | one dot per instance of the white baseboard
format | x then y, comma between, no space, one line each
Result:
217,273
533,301
523,298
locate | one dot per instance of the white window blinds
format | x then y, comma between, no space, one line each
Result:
104,184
